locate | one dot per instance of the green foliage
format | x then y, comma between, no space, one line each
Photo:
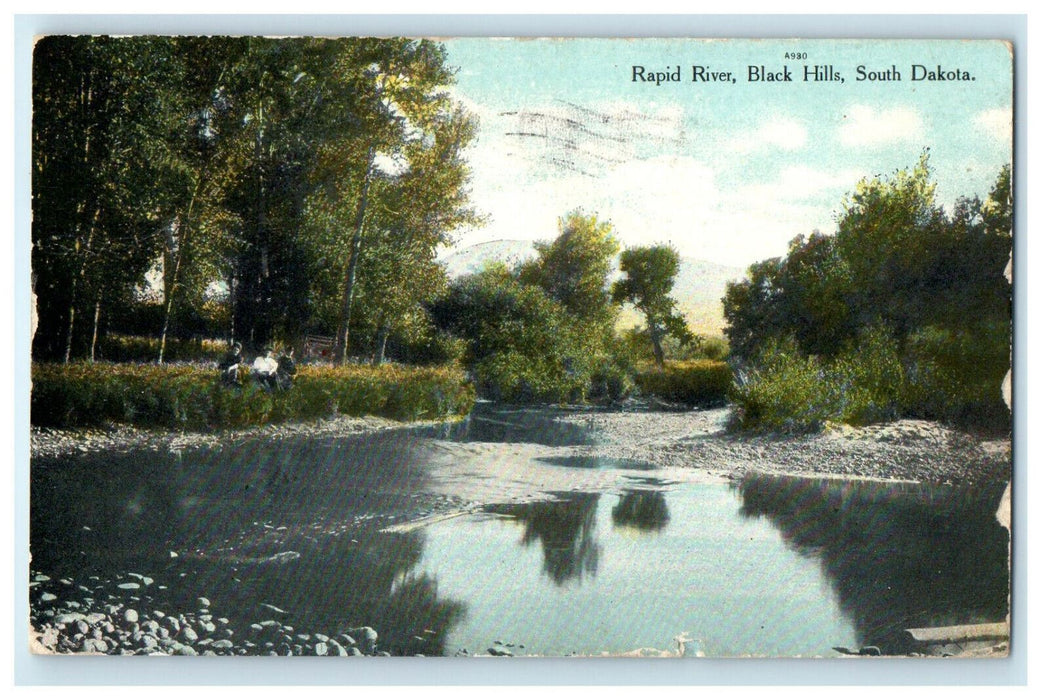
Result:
694,383
904,298
192,398
650,273
783,391
958,375
574,268
250,161
521,345
130,348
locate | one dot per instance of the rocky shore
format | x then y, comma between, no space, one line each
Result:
120,616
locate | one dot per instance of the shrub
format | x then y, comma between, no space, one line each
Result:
956,375
784,391
695,382
191,397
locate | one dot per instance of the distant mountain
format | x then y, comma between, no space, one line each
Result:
466,261
699,287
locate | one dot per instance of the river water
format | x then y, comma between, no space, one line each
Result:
770,566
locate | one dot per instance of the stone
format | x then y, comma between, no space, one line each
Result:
94,646
130,615
49,637
184,650
203,602
46,597
336,649
346,640
129,586
320,649
188,635
222,644
366,636
870,651
499,650
173,624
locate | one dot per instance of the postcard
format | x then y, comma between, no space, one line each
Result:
544,347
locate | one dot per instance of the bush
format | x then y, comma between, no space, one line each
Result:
695,383
191,397
956,376
947,376
783,391
134,348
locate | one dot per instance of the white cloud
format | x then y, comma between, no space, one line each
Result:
996,122
864,126
784,134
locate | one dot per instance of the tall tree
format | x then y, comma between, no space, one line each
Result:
101,106
650,273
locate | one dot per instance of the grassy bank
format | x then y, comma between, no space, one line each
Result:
690,382
191,398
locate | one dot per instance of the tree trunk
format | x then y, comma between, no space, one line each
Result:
75,283
342,339
94,329
380,344
657,347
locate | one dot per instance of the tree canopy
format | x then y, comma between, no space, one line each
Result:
257,182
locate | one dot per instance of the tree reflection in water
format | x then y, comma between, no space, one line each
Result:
566,530
897,555
642,510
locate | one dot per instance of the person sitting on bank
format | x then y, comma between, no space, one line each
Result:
230,365
286,370
264,369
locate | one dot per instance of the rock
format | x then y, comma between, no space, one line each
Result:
49,637
336,649
129,586
366,637
173,624
870,651
499,650
183,650
222,644
47,597
130,615
320,649
148,641
203,602
346,640
94,646
188,635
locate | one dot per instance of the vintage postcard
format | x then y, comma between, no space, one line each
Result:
521,347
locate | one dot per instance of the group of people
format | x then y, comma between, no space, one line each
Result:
268,371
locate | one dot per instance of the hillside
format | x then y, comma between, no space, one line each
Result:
699,287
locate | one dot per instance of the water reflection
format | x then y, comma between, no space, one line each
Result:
595,462
490,424
897,555
566,531
641,510
291,523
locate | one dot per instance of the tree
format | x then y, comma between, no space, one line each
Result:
101,108
575,267
650,273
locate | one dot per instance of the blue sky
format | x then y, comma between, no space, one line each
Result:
725,172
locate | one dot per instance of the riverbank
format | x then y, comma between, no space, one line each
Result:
904,450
